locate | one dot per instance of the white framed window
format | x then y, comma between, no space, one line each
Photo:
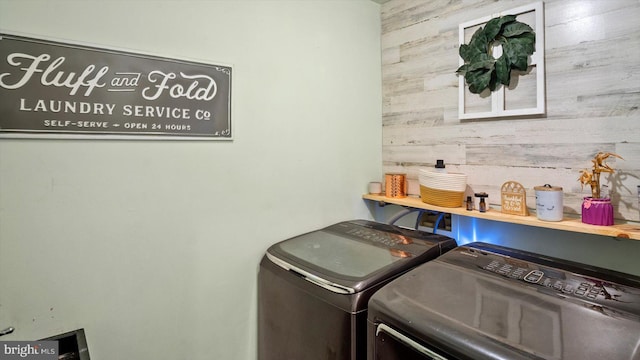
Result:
525,94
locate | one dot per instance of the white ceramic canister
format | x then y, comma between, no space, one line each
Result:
549,203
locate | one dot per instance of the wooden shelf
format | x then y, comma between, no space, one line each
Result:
627,231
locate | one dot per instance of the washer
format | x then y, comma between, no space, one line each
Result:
313,289
482,301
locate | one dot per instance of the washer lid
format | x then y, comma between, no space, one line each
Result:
356,253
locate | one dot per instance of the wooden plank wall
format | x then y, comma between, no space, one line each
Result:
592,93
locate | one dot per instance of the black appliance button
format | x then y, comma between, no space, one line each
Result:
494,264
534,276
594,293
518,273
584,286
558,285
505,269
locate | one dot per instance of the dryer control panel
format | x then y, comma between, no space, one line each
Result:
561,282
556,276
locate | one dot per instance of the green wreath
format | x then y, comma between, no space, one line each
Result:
481,70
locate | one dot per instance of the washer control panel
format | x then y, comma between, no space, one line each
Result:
400,242
380,237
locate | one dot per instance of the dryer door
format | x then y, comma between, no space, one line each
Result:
390,344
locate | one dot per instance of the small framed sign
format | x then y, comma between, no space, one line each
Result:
513,198
55,89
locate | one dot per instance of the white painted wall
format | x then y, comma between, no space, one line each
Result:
153,246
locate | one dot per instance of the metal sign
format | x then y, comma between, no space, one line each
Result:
59,89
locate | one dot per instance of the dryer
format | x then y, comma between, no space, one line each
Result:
482,301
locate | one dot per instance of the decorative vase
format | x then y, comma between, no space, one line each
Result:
597,211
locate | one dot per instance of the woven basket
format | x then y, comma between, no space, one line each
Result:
442,198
